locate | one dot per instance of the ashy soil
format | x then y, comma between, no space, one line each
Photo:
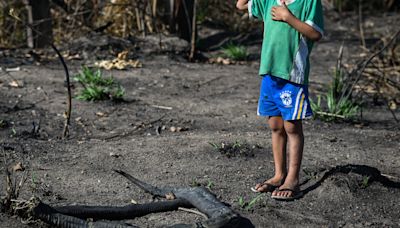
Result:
169,132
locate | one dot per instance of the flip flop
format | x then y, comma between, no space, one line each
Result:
296,194
268,188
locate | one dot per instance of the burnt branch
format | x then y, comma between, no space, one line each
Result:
219,215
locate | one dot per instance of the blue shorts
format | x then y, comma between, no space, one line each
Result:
279,97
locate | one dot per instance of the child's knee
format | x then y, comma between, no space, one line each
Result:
276,124
293,127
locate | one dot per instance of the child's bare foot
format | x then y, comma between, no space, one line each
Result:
269,185
287,191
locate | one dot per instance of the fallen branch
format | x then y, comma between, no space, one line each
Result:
217,214
220,216
119,213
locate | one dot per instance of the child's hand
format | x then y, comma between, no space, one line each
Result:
281,13
242,4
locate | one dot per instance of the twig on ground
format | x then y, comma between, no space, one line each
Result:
330,114
193,211
161,107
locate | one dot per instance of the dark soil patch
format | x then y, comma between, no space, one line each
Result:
236,149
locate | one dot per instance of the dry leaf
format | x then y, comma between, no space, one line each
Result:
101,114
120,63
16,84
122,55
392,105
170,196
18,167
112,154
15,69
74,57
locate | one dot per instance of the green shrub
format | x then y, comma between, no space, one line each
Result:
235,52
96,87
337,106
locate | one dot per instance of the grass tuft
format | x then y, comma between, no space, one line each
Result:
96,87
235,52
248,205
334,104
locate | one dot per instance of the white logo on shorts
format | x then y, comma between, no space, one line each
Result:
286,97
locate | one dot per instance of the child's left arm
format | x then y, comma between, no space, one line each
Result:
282,13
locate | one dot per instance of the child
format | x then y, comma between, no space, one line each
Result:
290,29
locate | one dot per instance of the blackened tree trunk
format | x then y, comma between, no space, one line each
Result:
40,18
184,18
179,16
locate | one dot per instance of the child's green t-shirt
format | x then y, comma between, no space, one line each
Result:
285,52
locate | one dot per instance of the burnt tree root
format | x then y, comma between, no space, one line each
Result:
219,215
51,216
119,213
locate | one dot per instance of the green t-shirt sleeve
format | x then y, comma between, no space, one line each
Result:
315,17
257,9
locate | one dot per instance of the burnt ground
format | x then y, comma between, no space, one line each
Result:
212,104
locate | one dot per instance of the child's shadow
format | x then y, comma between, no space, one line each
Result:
373,173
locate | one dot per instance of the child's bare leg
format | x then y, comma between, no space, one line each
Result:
279,139
294,131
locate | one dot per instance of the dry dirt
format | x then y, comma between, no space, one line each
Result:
212,104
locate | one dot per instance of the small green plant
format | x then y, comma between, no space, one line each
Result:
33,181
96,87
3,124
365,181
210,184
195,183
337,104
235,52
237,145
247,205
214,145
310,174
241,202
13,131
235,149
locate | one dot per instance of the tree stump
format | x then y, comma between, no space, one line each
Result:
41,34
